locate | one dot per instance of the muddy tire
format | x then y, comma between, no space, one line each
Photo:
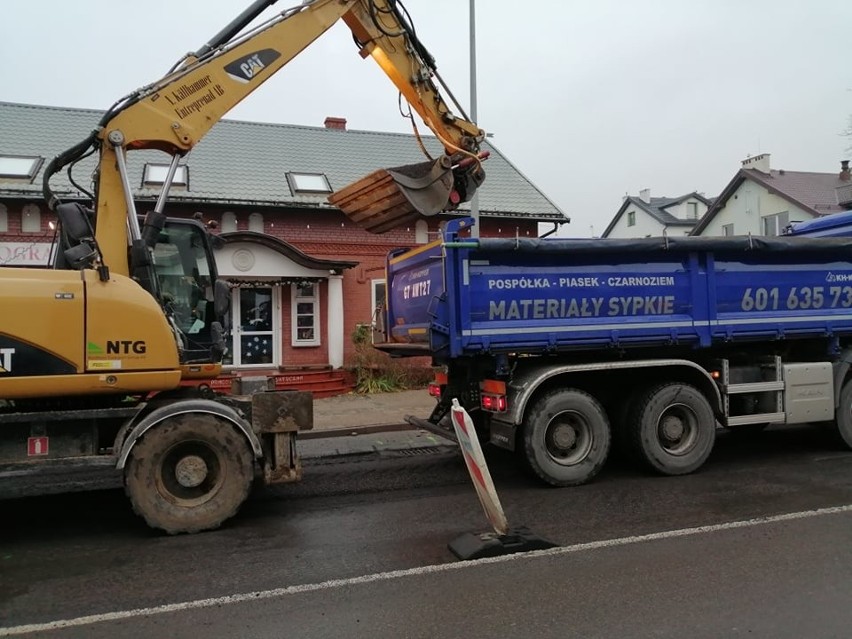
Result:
566,437
674,429
189,473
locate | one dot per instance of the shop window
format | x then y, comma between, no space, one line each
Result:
305,314
31,219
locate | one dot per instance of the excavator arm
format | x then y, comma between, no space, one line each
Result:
175,112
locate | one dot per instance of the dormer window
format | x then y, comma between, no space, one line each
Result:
308,183
22,167
155,175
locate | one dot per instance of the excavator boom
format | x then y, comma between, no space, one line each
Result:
175,112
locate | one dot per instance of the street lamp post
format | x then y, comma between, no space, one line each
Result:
474,201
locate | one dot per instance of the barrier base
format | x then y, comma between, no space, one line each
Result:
479,546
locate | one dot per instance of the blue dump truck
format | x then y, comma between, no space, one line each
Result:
560,347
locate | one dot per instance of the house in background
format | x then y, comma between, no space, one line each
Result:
647,216
760,200
303,277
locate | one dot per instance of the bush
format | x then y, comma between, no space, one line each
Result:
376,372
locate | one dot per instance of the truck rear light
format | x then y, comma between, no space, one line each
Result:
434,389
493,403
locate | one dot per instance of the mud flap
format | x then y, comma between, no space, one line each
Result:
390,198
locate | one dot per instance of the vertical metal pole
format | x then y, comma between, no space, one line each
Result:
474,201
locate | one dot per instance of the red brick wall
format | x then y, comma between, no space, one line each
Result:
14,218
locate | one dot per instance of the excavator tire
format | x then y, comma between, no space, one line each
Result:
190,473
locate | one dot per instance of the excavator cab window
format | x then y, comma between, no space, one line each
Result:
186,272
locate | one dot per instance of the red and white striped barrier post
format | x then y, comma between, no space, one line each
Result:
478,469
502,541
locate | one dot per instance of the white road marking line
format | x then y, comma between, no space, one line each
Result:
424,570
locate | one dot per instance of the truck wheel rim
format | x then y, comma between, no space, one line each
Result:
190,474
677,429
568,438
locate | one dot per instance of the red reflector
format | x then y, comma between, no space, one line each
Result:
487,402
501,404
434,390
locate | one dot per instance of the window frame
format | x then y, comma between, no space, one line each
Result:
148,182
631,218
292,181
31,208
230,216
35,164
726,228
295,300
781,220
253,220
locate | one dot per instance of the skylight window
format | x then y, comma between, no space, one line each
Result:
308,183
19,166
155,174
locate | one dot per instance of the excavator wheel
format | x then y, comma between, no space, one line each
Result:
190,473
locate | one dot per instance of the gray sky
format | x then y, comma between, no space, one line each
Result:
590,100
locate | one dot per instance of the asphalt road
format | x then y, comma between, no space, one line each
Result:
756,544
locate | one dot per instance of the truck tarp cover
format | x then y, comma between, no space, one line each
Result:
507,295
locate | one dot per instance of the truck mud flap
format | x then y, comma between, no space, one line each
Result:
390,198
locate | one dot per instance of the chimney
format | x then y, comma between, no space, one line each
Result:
645,195
759,162
335,123
845,175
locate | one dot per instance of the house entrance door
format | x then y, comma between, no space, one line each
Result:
255,337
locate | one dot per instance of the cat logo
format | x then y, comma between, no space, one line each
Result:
6,360
247,67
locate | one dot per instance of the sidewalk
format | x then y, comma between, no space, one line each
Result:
347,424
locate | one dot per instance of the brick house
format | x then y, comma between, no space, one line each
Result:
303,277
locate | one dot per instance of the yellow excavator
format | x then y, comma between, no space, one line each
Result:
93,355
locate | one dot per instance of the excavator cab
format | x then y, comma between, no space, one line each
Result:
193,298
175,265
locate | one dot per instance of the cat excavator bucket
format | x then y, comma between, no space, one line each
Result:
389,198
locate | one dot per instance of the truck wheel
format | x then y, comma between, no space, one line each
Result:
189,474
674,429
566,437
843,420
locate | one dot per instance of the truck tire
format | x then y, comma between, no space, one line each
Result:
843,421
674,429
566,437
189,473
